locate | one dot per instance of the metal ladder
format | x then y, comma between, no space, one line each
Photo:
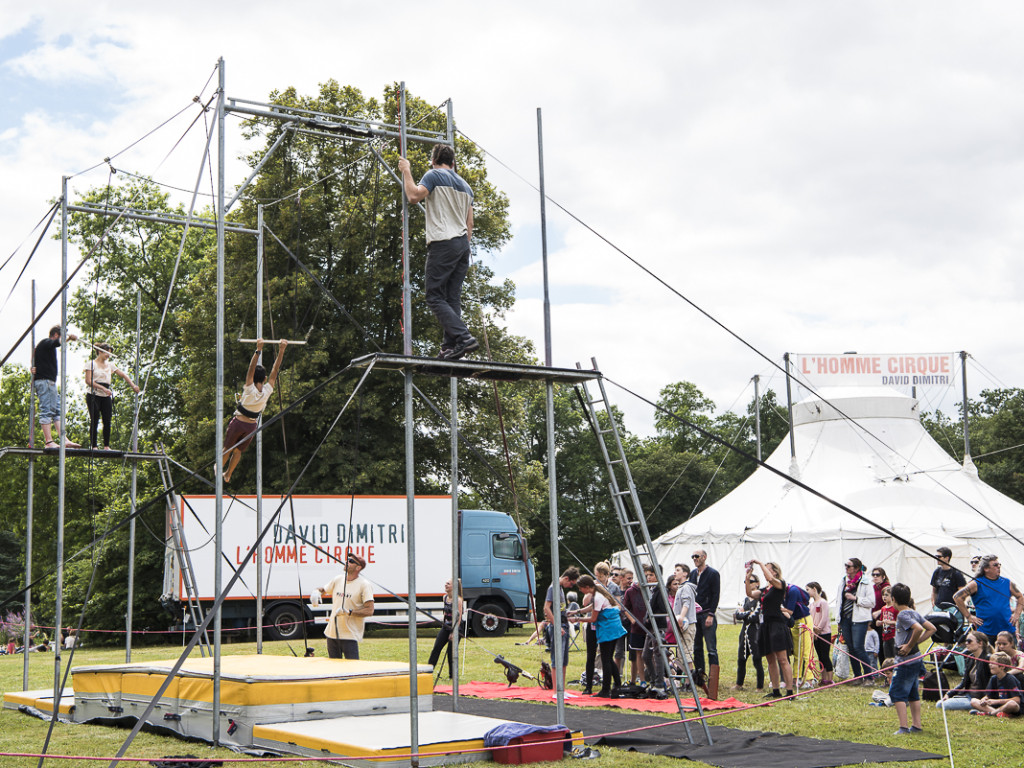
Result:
638,542
176,542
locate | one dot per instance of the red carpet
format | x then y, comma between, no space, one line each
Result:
576,699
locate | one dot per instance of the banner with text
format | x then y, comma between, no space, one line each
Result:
893,370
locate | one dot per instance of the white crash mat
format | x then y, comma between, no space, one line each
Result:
382,737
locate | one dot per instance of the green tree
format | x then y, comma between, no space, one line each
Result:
996,427
331,205
679,403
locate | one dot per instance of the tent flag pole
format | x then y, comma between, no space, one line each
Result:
968,462
757,414
794,468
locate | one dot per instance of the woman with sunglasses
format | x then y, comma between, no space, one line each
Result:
856,601
976,675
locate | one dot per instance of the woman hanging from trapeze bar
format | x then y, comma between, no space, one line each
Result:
255,396
99,399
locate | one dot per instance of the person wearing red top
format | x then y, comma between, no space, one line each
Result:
879,582
885,619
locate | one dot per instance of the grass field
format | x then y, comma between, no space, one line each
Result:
839,713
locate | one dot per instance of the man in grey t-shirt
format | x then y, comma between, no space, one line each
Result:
449,206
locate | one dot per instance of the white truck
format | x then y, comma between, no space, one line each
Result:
312,536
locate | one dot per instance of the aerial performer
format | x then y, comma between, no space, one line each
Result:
449,207
99,374
255,396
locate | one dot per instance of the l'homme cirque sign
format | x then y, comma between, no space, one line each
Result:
885,369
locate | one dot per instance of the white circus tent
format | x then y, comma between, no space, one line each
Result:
864,447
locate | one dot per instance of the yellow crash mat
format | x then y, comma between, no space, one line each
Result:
41,700
257,680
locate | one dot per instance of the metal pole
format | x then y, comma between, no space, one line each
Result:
219,415
406,282
453,667
31,485
259,434
410,470
450,130
129,617
544,242
789,407
757,414
556,587
967,436
58,618
549,417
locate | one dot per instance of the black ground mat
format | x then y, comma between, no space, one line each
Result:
732,748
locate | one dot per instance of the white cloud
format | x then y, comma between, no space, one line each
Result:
816,177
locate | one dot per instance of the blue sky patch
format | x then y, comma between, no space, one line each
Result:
71,99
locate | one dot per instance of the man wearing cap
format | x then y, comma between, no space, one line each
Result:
352,600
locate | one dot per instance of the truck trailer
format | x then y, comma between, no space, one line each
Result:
310,540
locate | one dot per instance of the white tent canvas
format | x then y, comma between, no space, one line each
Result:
864,447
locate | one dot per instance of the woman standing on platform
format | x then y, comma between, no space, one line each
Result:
452,614
99,399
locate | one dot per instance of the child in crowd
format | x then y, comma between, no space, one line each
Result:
886,619
871,645
1004,643
821,625
1003,696
881,698
911,630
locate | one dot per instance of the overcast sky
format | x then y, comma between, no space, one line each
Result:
819,177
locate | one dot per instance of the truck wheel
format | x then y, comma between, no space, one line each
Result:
489,620
284,622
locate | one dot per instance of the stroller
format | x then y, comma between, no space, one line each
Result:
950,630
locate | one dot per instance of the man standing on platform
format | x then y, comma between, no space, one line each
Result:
449,206
44,368
352,600
709,587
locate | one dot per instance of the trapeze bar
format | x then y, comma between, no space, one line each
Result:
272,341
17,450
161,218
476,369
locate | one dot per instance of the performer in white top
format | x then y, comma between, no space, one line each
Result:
255,396
99,374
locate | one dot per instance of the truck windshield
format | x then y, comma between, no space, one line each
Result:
506,547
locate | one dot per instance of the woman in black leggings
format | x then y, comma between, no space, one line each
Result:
99,399
451,616
604,614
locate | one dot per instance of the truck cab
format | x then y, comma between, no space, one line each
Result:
496,582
